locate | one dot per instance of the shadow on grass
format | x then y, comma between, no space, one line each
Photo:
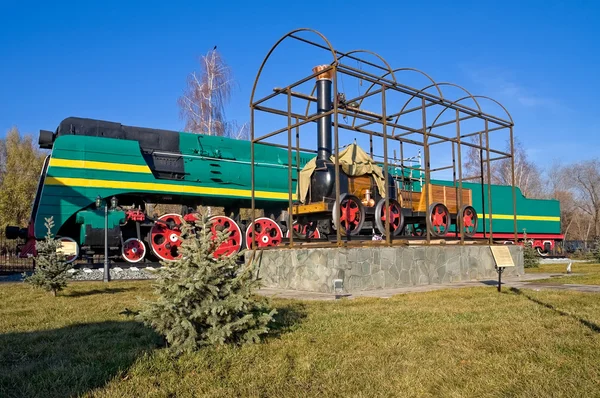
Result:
72,360
591,325
288,318
110,290
491,282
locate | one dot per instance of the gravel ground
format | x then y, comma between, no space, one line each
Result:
91,274
116,273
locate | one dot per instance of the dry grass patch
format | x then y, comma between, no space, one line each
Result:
587,273
463,342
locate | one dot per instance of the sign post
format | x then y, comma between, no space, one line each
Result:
503,259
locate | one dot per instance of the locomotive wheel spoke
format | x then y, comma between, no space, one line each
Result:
233,244
265,233
439,219
164,237
133,250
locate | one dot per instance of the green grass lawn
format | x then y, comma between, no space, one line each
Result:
586,273
460,343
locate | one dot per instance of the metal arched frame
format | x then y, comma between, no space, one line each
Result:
386,81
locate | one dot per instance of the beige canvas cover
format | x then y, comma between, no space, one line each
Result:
354,161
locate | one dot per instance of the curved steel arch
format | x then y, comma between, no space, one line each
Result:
390,71
400,70
499,104
289,34
445,108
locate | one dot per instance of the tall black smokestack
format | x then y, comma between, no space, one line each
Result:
324,136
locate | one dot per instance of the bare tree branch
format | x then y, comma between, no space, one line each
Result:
203,103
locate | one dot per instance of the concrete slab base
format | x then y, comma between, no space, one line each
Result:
373,268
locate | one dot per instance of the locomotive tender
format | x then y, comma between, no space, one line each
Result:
92,161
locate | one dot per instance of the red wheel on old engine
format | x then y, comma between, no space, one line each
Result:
396,222
351,214
233,244
301,231
164,237
133,250
265,233
469,220
438,219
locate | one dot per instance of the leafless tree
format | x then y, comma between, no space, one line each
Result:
586,184
472,161
527,174
203,102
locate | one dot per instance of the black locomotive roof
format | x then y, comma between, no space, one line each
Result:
149,139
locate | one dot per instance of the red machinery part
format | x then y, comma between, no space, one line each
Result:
133,250
265,232
135,215
233,244
302,231
164,239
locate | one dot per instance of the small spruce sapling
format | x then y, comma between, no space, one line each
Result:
530,257
51,266
596,251
205,299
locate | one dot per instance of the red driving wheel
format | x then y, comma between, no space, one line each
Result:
469,220
438,219
265,232
351,213
396,216
302,231
164,237
233,244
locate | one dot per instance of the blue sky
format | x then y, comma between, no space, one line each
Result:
129,62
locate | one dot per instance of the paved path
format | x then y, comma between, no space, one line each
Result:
526,281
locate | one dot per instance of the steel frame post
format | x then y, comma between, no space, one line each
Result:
388,238
290,218
483,214
514,190
337,155
489,178
460,220
427,170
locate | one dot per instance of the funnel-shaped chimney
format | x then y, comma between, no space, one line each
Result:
324,136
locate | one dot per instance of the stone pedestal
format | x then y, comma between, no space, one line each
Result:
370,268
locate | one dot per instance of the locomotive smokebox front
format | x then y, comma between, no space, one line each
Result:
323,179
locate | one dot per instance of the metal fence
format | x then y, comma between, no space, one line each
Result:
9,259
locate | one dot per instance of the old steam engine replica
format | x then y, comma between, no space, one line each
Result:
365,192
